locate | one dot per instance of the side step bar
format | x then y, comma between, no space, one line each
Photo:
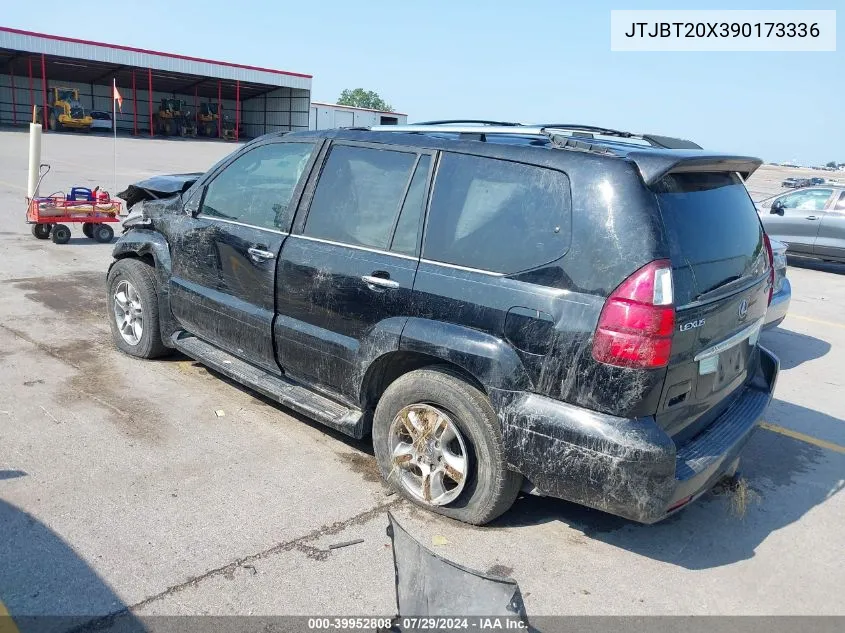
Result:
283,390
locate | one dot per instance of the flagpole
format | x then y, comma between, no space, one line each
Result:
114,127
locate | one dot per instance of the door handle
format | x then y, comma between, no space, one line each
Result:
812,217
259,255
379,282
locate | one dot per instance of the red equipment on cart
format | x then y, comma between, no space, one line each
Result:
94,209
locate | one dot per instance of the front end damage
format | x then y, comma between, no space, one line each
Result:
628,467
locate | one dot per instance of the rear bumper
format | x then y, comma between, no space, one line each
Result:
779,305
628,467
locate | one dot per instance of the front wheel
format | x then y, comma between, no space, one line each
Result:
60,234
102,233
41,231
439,443
133,309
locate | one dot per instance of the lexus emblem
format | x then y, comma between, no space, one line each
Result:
743,308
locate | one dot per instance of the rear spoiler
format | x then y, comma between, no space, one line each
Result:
653,166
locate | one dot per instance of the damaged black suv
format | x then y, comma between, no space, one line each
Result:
567,310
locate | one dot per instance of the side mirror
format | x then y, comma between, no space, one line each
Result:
777,207
192,205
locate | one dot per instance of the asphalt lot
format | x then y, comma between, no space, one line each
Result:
120,486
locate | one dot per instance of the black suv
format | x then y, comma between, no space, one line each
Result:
568,310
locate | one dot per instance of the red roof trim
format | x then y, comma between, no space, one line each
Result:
132,49
337,105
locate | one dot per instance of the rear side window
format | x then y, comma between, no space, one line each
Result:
497,215
359,194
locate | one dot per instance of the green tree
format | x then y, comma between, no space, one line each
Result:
360,98
831,164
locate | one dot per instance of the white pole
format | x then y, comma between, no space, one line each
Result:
114,127
34,159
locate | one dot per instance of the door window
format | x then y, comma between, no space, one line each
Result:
257,187
497,215
807,200
359,194
406,236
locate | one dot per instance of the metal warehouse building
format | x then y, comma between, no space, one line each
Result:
260,100
328,115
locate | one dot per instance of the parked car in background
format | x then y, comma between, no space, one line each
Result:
810,220
491,303
793,183
782,291
101,120
817,181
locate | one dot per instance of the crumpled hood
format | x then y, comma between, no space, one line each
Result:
157,187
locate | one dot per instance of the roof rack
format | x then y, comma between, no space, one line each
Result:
480,128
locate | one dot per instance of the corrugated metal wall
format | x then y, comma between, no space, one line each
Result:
279,110
66,47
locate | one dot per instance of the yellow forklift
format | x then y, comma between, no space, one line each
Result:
207,119
169,118
188,124
66,111
228,128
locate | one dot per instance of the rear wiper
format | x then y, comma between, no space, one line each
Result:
721,284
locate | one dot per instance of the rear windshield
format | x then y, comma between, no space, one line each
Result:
714,232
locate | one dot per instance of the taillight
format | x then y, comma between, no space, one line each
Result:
771,255
637,320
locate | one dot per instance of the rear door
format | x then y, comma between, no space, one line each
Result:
830,241
225,252
720,276
346,273
797,220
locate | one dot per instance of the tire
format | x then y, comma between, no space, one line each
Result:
86,230
102,233
42,231
489,488
137,281
60,234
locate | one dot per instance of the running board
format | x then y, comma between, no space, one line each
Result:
283,390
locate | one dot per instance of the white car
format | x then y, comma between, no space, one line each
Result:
102,120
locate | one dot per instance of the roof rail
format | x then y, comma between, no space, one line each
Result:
549,130
476,121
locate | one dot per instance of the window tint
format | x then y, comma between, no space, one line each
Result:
406,237
712,226
840,206
497,215
358,195
257,187
808,200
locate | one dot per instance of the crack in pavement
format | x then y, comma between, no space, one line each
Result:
300,543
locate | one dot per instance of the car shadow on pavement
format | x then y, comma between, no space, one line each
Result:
816,264
792,348
44,584
785,477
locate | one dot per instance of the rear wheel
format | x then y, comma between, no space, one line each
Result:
60,234
439,443
133,309
41,231
103,233
86,230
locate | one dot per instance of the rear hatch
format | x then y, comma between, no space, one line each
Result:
720,270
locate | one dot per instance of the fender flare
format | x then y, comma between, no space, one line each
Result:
140,243
488,358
